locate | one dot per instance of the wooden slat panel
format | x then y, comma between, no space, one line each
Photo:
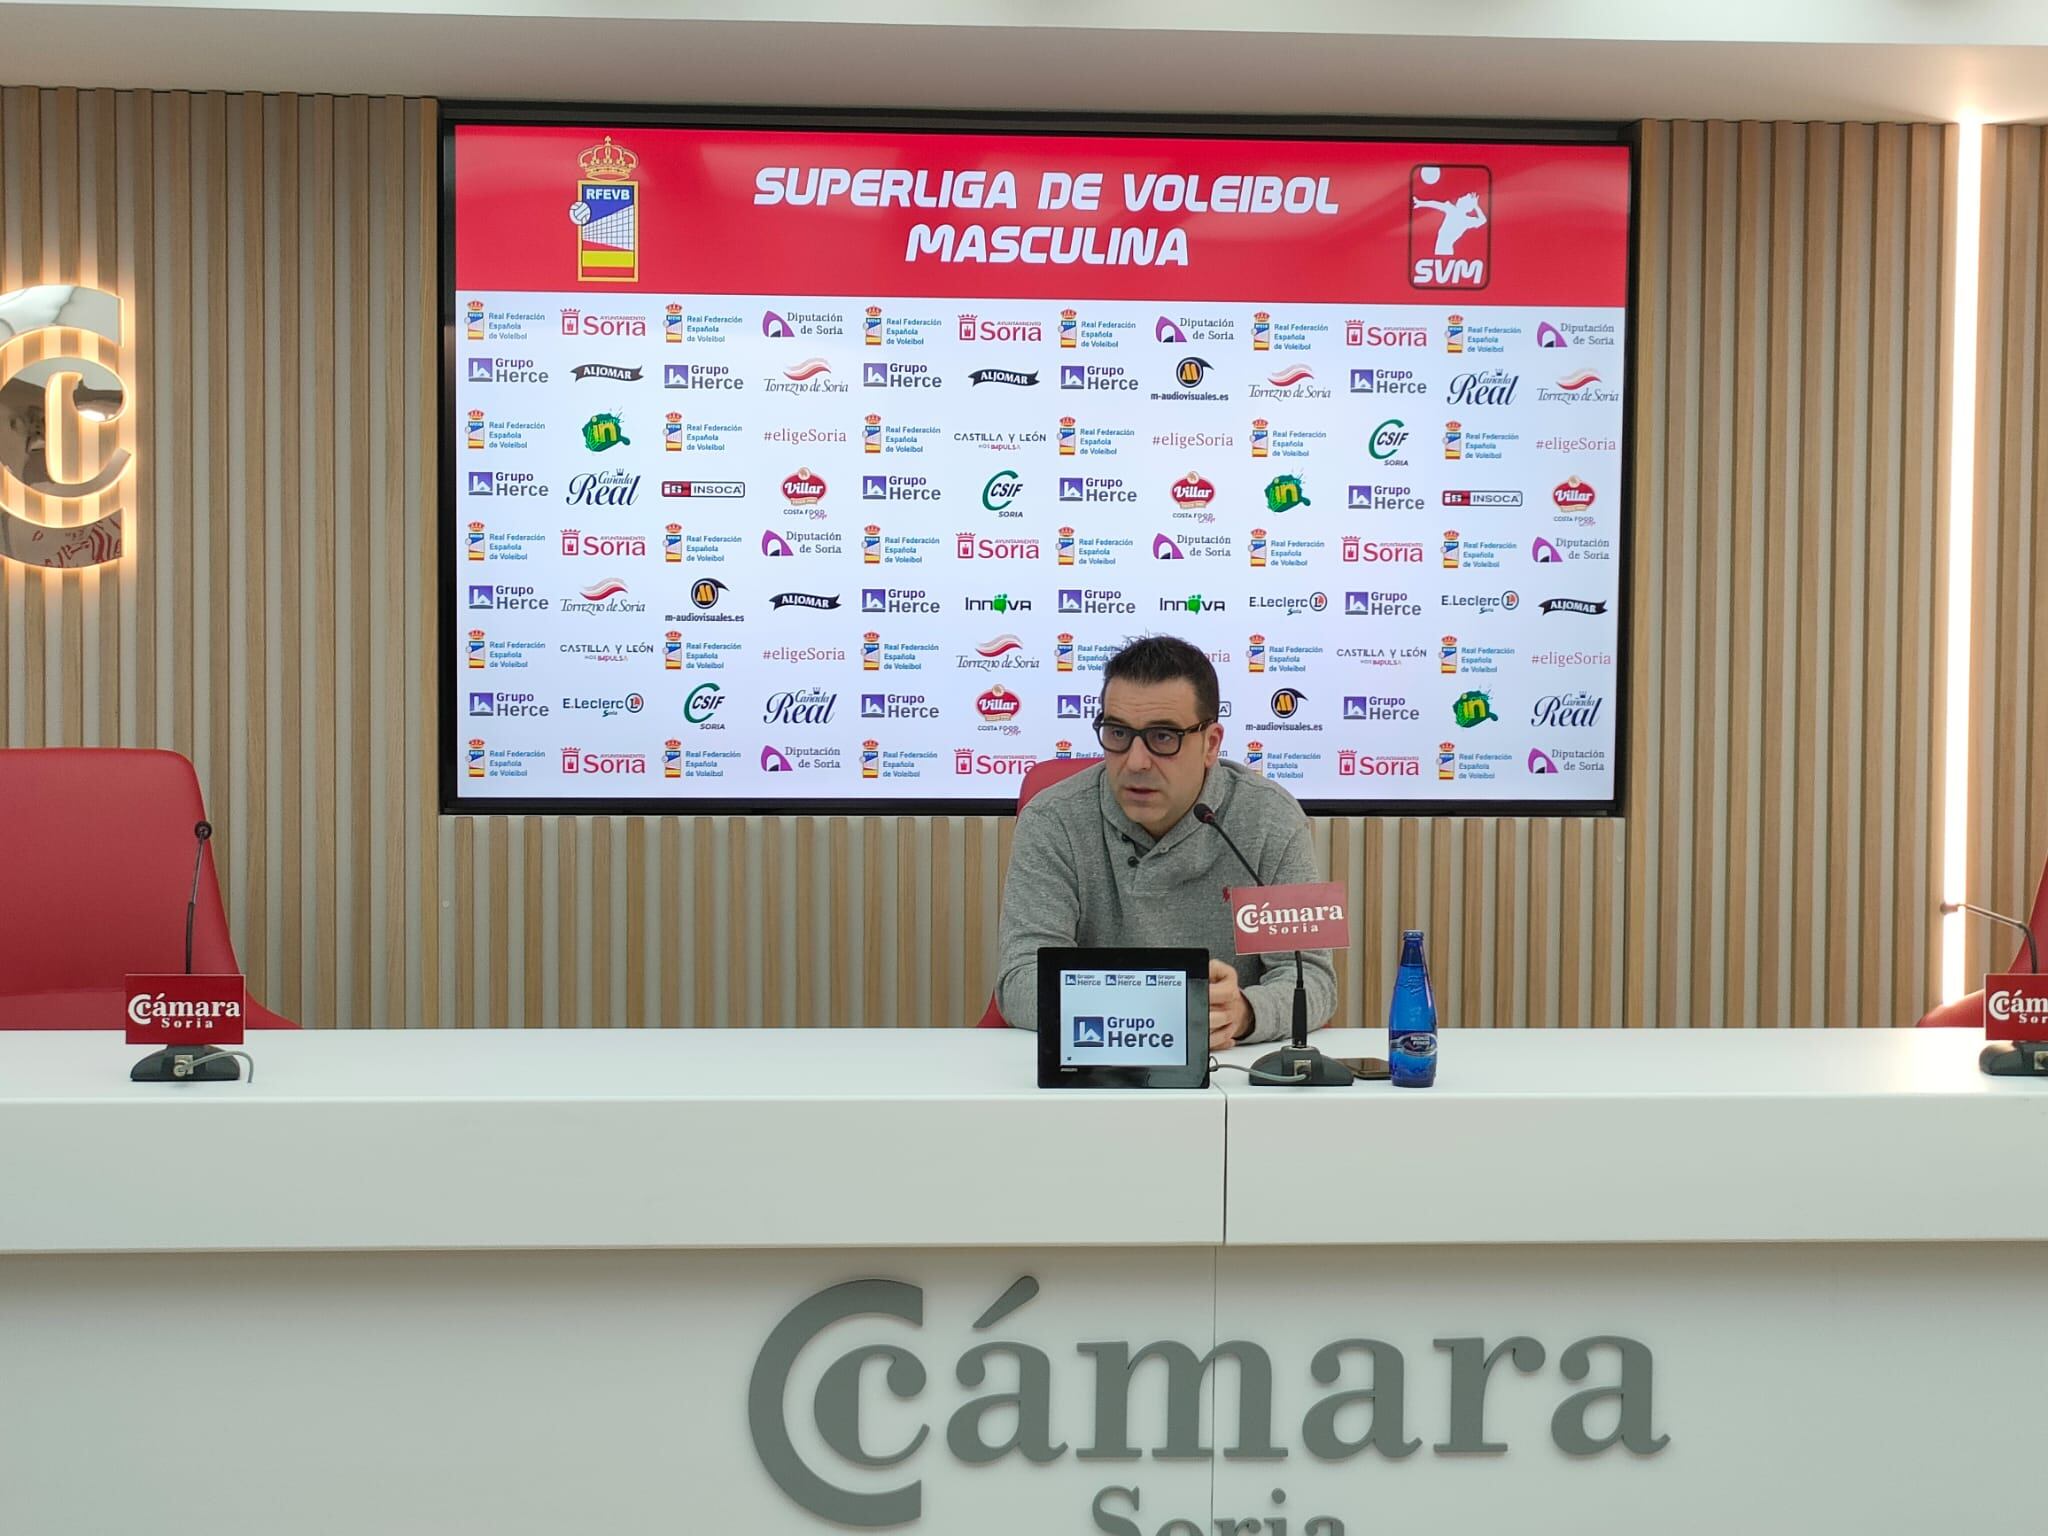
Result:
2008,772
600,1011
1782,788
774,929
499,842
806,901
839,912
637,937
670,910
942,938
697,1011
29,266
907,936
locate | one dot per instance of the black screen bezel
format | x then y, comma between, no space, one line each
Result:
1054,962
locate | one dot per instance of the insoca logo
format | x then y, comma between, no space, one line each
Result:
49,403
990,1427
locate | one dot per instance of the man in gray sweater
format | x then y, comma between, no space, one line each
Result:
1114,855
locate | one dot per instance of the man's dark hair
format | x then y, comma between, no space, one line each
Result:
1163,659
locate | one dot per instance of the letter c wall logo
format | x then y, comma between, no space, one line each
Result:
52,410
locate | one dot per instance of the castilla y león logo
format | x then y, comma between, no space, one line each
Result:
53,411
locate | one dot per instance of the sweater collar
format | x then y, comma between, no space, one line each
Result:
1216,788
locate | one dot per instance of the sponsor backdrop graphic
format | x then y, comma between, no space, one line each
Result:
797,467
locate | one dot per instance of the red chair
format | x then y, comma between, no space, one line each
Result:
1043,775
1967,1012
98,872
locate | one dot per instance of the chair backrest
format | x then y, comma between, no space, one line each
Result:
1967,1011
1041,775
1047,772
2037,921
99,866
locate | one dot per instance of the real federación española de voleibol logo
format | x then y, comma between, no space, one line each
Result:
606,214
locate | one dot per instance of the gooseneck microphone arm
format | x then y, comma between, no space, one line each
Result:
202,832
1298,1034
1207,818
2033,953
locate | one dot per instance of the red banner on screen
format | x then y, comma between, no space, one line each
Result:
2016,1006
946,215
1270,918
187,1010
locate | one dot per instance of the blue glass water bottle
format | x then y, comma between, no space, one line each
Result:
1411,1021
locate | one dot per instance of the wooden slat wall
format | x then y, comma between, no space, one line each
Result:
2008,834
274,620
1791,526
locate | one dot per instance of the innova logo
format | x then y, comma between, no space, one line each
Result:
68,398
848,1413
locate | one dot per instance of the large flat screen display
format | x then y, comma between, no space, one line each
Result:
825,468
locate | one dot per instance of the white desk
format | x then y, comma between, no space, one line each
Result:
1647,1136
593,1139
574,1254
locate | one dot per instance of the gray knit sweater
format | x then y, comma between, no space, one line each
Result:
1084,874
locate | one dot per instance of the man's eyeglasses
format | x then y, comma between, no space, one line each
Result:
1160,740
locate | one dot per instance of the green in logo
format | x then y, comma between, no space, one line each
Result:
1002,489
602,432
1000,602
1284,491
1470,709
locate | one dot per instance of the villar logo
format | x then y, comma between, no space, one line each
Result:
35,401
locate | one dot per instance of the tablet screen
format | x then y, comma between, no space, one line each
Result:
1123,1018
1130,1017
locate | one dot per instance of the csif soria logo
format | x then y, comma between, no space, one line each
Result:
86,395
606,214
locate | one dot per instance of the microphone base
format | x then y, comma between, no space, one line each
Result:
2023,1058
1300,1066
186,1064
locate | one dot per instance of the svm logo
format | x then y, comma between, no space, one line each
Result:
63,398
1450,234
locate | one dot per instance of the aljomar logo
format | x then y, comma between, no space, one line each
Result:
50,410
1359,1374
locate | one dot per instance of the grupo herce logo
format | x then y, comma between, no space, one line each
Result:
606,214
53,413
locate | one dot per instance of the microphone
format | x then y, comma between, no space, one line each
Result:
2033,954
1208,819
202,831
194,1063
1297,1064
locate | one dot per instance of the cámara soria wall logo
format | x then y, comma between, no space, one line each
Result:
52,412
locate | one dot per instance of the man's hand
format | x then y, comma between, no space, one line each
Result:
1230,1012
